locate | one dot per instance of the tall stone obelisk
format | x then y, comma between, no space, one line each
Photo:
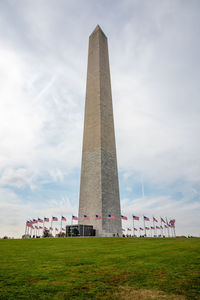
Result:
99,188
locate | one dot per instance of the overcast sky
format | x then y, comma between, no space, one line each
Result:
154,51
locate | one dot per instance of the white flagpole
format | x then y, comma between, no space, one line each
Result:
25,229
144,226
133,228
154,226
167,227
51,225
61,225
43,225
71,225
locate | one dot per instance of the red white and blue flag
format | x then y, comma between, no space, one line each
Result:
135,229
129,229
98,217
155,220
146,218
147,228
86,217
56,229
40,227
63,219
124,218
161,227
157,227
63,229
29,223
166,226
152,227
51,228
162,220
123,229
46,219
172,222
54,219
141,228
34,221
110,217
136,218
36,227
74,218
40,220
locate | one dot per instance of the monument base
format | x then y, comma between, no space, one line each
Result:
80,230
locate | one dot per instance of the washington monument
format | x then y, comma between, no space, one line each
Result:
99,188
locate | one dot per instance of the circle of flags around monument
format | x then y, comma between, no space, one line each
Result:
151,226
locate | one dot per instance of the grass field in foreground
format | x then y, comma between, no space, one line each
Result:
99,268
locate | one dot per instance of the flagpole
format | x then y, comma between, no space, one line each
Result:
43,225
61,225
168,227
25,229
71,225
154,226
174,230
133,228
160,226
173,227
144,226
51,225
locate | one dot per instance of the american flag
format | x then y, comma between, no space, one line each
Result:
40,227
147,228
157,227
51,228
74,218
110,217
63,229
129,229
124,218
40,220
29,223
141,228
86,217
136,218
146,218
36,227
155,220
46,219
46,228
98,217
34,221
54,219
172,222
56,229
135,229
63,218
162,220
161,227
166,226
152,227
123,229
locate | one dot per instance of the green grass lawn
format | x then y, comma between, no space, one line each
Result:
99,268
